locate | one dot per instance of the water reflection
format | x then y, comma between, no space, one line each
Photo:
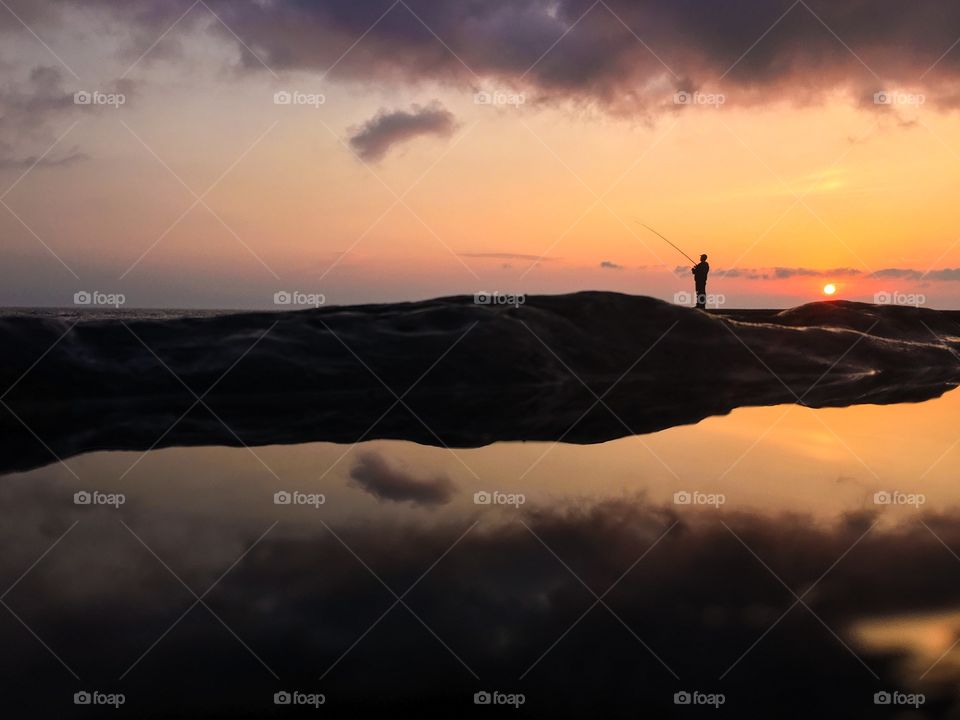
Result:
798,596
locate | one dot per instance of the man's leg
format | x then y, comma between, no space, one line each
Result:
702,297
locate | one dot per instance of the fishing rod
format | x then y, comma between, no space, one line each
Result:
666,241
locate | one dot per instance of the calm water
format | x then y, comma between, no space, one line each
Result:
785,587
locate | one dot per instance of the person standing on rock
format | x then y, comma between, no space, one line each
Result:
700,272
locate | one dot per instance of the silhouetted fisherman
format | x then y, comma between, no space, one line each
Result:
700,272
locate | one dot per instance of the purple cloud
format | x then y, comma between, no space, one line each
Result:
627,56
374,475
386,129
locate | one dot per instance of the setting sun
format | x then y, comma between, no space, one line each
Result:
829,289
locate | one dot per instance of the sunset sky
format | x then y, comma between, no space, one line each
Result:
797,143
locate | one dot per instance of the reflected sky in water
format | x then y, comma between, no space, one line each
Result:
589,587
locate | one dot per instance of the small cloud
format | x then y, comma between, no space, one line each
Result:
33,114
507,256
376,137
745,273
778,273
608,265
8,161
946,274
897,273
374,475
783,273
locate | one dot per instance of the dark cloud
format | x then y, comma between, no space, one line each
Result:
784,273
739,273
31,113
897,273
622,55
378,135
744,273
609,265
945,274
948,274
629,55
16,13
375,475
8,159
36,111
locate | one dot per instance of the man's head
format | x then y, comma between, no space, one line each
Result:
703,258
